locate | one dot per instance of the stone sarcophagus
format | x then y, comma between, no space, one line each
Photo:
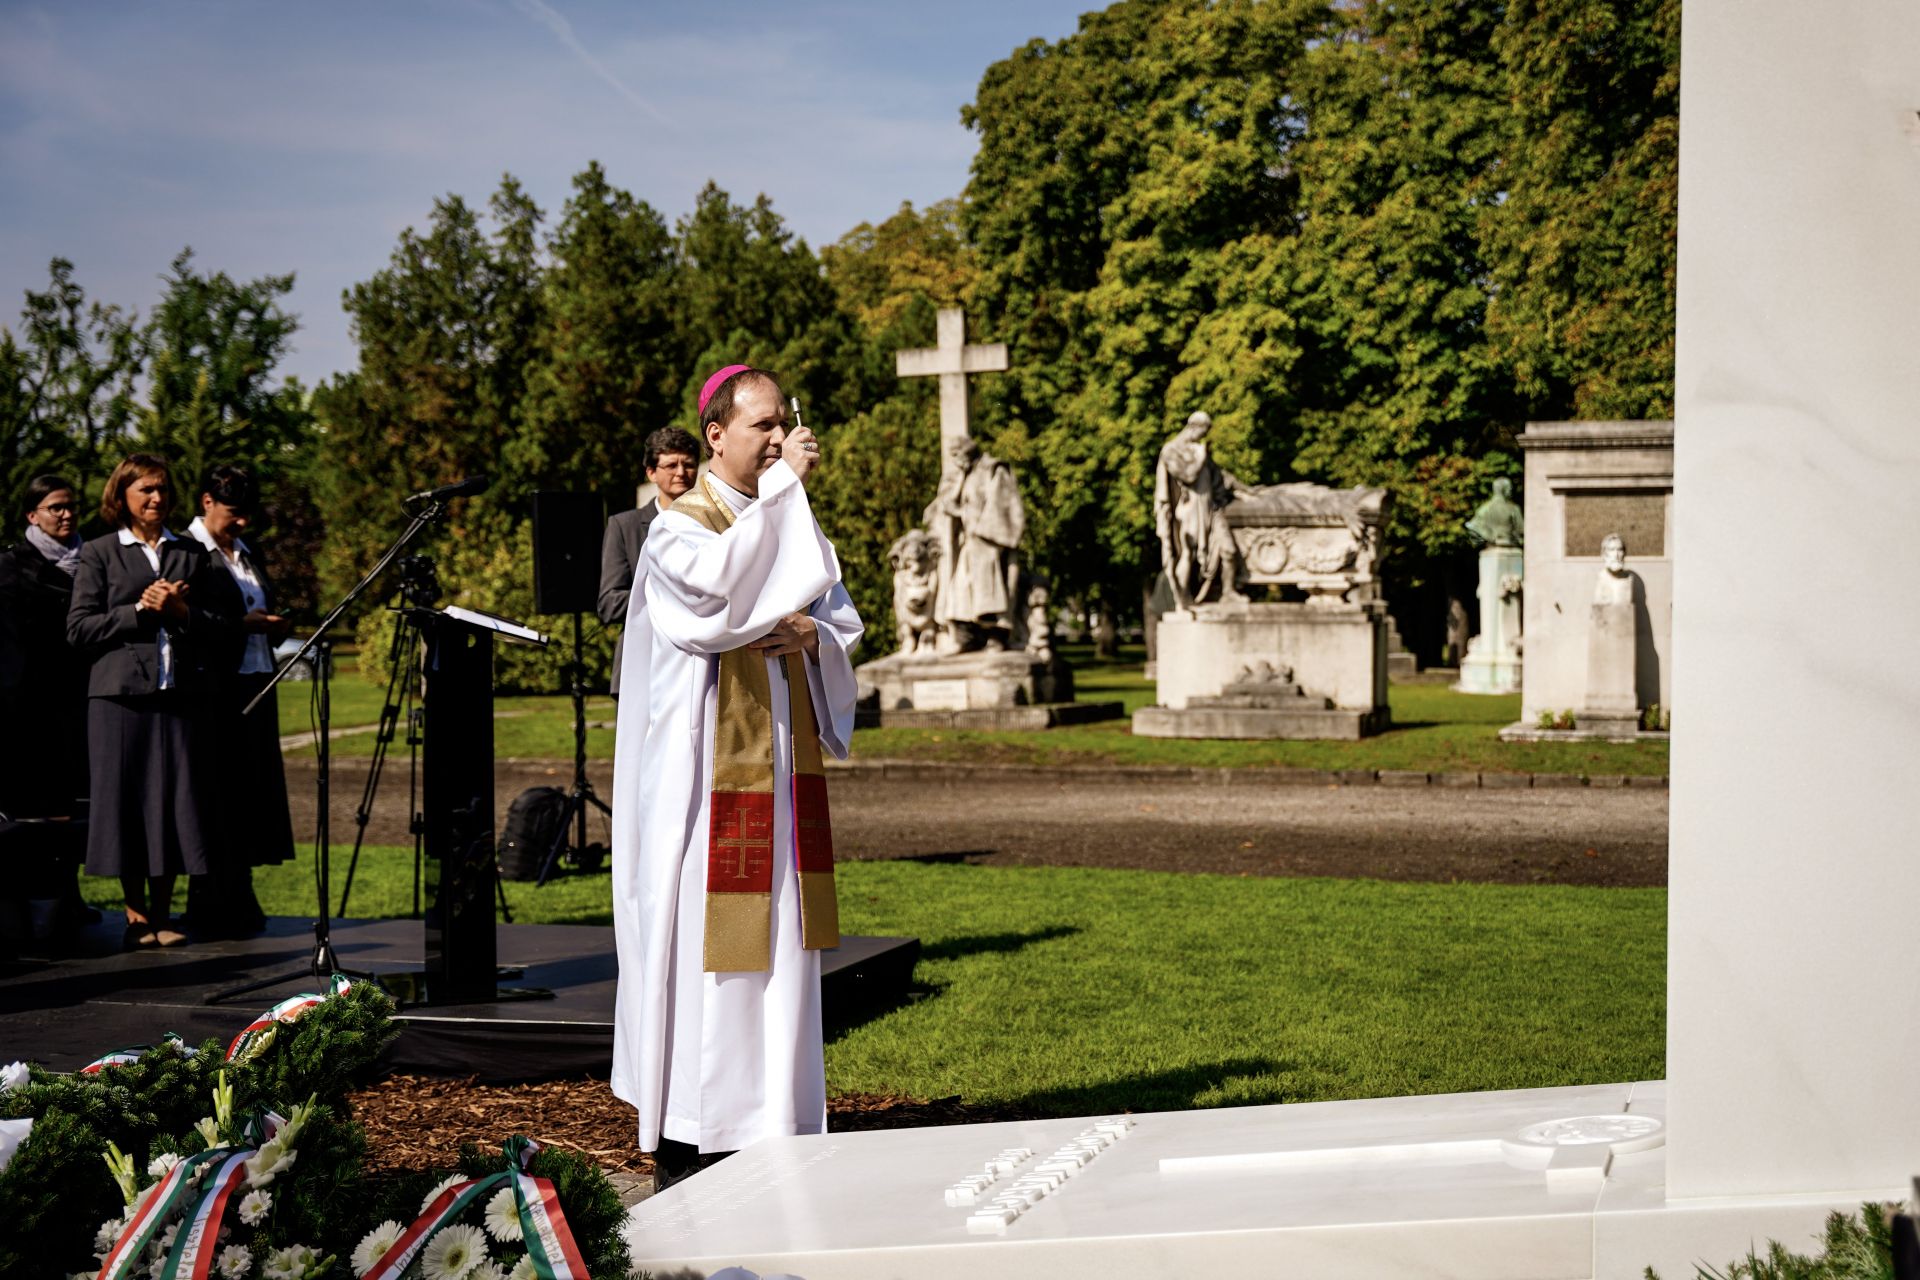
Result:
1326,542
1219,650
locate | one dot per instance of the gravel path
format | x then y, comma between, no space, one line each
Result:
1570,835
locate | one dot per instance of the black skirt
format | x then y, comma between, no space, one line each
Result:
148,813
255,828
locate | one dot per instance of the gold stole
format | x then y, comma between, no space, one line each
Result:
739,921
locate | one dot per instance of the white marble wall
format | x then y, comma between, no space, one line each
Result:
1794,985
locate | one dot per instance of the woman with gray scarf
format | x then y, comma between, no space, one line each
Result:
43,703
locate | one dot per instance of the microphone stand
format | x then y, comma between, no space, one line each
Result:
323,963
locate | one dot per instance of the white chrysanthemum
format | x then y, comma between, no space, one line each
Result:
235,1261
268,1162
374,1245
160,1166
254,1206
503,1217
109,1232
166,1238
434,1194
452,1253
488,1270
524,1269
13,1075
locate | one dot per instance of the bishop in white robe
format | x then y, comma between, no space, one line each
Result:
711,1056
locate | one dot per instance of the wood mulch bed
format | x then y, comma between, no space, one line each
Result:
419,1122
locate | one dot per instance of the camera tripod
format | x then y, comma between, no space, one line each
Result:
573,818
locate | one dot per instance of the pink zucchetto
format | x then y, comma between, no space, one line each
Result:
713,383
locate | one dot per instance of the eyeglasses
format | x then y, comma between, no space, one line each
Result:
57,507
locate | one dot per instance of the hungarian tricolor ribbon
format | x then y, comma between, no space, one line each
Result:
258,1034
445,1209
153,1209
125,1057
193,1248
550,1244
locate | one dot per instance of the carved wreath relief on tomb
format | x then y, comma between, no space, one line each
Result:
1218,533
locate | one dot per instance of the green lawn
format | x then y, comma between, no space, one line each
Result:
1072,991
1436,730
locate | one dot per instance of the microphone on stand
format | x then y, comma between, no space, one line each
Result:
459,489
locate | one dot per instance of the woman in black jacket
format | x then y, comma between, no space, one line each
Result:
43,704
254,827
151,618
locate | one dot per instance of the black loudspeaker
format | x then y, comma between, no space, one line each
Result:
567,528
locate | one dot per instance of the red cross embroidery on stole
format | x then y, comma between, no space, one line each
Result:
740,842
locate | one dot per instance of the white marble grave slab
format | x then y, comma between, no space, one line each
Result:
1421,1186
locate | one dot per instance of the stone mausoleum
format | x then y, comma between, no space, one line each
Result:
1584,481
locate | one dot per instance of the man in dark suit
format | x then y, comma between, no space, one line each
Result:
672,463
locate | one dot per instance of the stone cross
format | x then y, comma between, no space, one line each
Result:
952,360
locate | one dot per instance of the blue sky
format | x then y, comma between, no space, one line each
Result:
278,136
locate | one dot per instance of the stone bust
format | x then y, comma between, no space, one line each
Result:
1615,583
1499,522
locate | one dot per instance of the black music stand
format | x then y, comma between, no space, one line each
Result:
456,780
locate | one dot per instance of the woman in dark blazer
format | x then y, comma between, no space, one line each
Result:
43,683
151,619
43,707
253,827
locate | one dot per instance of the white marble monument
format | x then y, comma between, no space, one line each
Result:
1229,666
975,641
1793,1016
1492,664
1610,709
1583,481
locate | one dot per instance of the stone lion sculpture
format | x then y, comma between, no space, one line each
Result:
915,557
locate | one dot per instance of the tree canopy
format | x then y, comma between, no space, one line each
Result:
1371,237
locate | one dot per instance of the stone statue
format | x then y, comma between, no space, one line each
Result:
1615,583
976,520
1611,709
914,558
1190,497
1499,522
1492,661
1036,636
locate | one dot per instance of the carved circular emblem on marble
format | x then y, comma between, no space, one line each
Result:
1619,1130
1265,550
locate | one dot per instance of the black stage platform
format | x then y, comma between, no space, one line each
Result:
65,1012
